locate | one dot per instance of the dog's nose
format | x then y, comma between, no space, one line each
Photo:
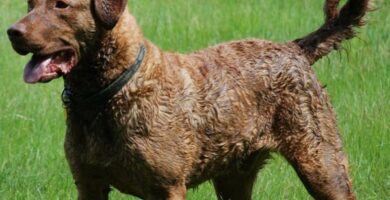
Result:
16,31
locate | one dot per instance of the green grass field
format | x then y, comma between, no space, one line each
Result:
32,162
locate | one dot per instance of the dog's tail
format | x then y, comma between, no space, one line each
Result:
339,26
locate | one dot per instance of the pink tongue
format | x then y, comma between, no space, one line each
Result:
36,69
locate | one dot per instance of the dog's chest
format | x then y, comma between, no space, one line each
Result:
97,137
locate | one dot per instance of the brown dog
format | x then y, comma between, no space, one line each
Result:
154,124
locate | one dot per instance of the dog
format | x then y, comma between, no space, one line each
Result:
153,124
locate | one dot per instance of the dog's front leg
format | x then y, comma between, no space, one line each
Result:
91,190
90,185
177,192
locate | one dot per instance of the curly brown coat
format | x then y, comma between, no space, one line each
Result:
215,114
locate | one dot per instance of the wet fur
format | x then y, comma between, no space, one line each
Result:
215,114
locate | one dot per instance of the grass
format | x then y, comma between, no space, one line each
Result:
32,163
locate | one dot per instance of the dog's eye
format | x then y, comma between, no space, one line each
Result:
61,5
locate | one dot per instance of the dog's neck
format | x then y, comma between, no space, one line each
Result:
116,52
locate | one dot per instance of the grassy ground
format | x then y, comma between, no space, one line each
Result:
32,163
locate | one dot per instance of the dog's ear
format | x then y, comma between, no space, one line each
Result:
109,11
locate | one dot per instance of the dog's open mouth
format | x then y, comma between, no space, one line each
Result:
44,68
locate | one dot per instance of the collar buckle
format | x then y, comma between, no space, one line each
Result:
66,97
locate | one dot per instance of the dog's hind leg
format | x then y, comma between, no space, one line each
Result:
238,184
323,170
309,140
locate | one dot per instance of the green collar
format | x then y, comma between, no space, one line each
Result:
102,96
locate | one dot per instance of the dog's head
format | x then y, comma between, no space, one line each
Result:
59,32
